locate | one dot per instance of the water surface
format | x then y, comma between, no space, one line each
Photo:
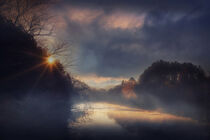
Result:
101,119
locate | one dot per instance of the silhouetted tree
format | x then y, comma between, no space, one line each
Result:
32,15
37,92
173,82
162,72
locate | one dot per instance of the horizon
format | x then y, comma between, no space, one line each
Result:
120,39
104,69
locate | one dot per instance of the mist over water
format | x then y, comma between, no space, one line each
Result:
103,120
142,70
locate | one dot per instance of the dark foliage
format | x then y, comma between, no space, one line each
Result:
34,97
178,88
175,84
23,64
162,72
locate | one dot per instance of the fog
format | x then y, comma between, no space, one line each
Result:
103,120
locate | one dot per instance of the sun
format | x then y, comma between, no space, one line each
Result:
50,60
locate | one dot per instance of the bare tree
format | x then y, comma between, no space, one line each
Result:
35,18
2,2
63,51
32,15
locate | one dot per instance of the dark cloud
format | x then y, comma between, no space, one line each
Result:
116,41
146,4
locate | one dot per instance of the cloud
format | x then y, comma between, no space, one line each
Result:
83,15
114,20
123,38
100,81
172,5
60,23
122,20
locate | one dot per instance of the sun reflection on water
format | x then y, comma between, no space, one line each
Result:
105,115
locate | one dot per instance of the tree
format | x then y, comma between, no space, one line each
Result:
62,51
31,15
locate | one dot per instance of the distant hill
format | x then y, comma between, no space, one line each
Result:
183,81
179,88
171,73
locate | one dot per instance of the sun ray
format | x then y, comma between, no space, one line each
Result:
23,72
39,78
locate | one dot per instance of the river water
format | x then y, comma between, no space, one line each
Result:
102,120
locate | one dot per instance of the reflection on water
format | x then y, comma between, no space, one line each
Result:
101,114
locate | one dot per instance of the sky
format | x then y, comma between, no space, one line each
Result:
114,40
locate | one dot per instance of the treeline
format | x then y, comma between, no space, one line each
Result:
178,88
172,81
